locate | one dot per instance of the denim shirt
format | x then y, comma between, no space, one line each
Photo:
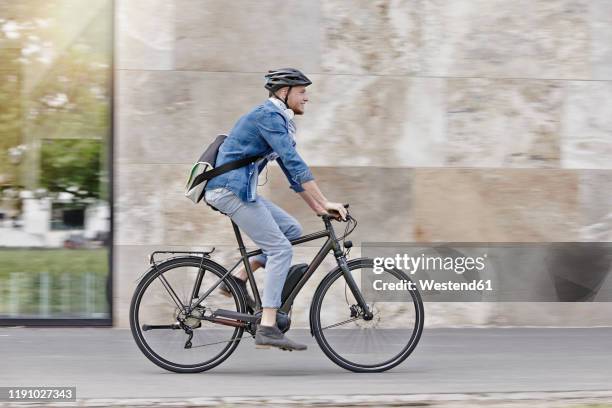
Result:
262,131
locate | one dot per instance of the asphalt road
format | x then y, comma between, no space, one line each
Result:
105,363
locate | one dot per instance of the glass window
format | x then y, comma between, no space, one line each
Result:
55,138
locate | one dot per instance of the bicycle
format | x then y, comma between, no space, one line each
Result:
176,305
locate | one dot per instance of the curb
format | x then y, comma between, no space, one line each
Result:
514,399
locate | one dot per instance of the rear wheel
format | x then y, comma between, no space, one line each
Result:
362,344
162,330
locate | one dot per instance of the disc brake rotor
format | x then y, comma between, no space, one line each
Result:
373,322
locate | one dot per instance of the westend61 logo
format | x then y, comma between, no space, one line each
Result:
488,271
412,264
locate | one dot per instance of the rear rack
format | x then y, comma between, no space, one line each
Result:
203,254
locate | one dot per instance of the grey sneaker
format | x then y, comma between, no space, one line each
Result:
271,336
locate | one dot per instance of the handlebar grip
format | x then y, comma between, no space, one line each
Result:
332,212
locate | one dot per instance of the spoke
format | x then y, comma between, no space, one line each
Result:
340,323
171,291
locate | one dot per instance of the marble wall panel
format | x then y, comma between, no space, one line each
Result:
496,205
364,120
144,34
508,314
595,195
557,314
587,125
169,117
246,36
380,198
371,37
600,19
503,123
518,39
138,204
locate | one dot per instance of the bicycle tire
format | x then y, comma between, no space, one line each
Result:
135,324
328,350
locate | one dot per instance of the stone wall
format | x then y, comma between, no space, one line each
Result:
471,120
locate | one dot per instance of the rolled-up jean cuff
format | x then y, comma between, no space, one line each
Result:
261,259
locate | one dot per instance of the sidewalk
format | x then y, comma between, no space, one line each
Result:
108,369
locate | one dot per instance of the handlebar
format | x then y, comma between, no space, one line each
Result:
351,224
335,217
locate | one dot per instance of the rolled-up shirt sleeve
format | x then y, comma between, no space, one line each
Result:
273,129
292,184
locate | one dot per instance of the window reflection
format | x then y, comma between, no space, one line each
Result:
55,110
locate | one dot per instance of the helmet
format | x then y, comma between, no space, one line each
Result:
279,78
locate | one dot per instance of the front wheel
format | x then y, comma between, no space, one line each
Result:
363,343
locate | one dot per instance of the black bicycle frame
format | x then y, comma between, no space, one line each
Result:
331,244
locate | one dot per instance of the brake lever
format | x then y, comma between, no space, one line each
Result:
336,216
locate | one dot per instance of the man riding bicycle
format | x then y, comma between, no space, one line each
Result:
268,131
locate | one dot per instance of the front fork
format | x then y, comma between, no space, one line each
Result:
341,259
350,281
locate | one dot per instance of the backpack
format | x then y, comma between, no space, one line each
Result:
204,169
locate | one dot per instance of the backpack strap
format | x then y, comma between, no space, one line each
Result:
224,168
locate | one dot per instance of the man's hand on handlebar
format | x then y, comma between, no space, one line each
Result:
315,200
336,210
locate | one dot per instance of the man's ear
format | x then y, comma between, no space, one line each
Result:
282,92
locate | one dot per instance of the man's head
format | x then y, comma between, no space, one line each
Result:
289,85
295,97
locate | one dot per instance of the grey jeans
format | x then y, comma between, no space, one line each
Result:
270,227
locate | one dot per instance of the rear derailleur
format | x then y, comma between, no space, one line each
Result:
190,322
